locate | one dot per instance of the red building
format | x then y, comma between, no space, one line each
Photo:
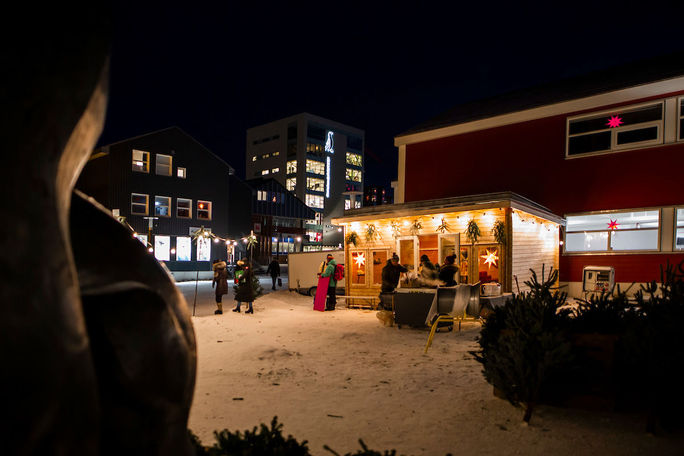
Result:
604,151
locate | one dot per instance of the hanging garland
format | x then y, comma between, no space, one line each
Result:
472,231
352,238
396,229
443,226
416,226
499,232
372,233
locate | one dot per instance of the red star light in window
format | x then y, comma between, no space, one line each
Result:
612,225
614,121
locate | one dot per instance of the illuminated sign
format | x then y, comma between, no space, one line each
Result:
183,248
161,247
329,145
327,177
203,249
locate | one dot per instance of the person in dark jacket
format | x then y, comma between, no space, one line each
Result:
221,283
449,271
245,290
391,273
329,271
274,271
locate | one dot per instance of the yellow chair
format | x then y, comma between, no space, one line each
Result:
452,304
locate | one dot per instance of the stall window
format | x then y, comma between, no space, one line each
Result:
427,245
379,261
488,263
448,245
463,264
357,270
612,231
406,253
679,231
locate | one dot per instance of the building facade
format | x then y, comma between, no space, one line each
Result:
166,186
375,195
278,221
319,160
603,151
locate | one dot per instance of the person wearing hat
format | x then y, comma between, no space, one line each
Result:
329,271
221,282
449,271
391,273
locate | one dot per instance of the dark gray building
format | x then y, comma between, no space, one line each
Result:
166,186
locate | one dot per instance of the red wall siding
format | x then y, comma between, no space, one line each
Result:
628,268
529,158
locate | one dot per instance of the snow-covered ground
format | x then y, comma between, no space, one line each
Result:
335,377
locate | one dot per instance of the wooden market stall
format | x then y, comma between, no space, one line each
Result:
515,235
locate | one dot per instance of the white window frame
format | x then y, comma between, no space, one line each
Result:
609,250
145,161
178,207
147,204
168,199
163,166
204,210
614,131
416,261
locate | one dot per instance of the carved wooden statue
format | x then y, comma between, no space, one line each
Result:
97,350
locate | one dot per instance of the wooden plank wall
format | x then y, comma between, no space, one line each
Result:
535,243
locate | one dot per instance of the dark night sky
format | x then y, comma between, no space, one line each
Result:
217,71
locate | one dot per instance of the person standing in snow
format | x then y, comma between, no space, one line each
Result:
274,271
329,271
221,283
449,272
245,290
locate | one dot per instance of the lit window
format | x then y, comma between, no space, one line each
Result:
354,159
141,161
315,167
353,175
261,195
139,203
162,245
612,231
183,208
264,172
275,170
162,206
291,167
254,158
180,172
679,232
314,201
163,165
275,154
615,130
291,184
183,248
315,184
357,204
204,210
316,149
347,204
264,156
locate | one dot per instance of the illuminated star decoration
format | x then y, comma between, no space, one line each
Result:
614,121
490,258
360,260
613,225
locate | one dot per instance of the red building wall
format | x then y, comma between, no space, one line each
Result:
529,158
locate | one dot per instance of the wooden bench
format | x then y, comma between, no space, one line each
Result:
372,301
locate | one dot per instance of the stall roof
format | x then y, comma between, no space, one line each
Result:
454,204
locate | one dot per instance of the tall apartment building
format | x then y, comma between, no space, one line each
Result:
319,160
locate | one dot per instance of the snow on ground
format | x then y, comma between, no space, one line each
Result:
335,377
